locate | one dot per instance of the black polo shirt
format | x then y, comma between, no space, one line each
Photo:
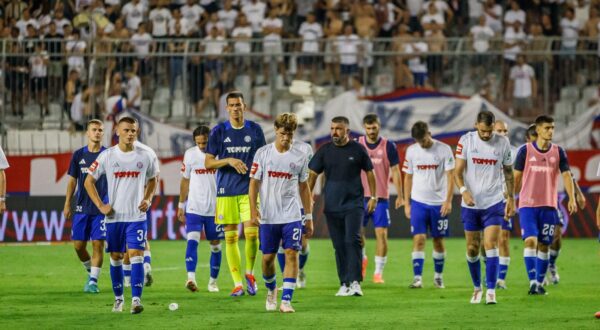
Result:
342,166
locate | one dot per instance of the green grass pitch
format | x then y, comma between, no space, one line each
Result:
41,287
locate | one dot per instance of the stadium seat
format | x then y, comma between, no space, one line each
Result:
243,84
64,142
384,83
581,107
51,137
25,142
262,99
569,93
177,107
590,92
563,108
12,142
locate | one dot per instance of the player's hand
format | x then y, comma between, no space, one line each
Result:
468,198
580,199
407,210
308,228
371,206
144,205
181,215
509,209
2,207
399,202
238,165
572,206
106,209
66,211
446,209
255,217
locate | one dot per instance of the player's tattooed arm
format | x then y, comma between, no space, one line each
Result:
90,187
509,179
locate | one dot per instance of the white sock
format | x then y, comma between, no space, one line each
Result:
505,261
380,264
192,276
364,253
95,273
87,265
147,267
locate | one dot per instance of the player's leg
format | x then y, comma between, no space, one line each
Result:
492,219
352,224
251,243
136,233
292,243
302,259
98,236
547,221
336,228
504,247
228,215
214,234
473,226
148,279
554,251
419,217
193,227
270,237
281,258
529,234
439,230
115,246
381,222
80,234
126,271
363,240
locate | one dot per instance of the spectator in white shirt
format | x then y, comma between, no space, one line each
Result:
388,16
515,13
214,46
193,13
310,31
348,46
186,27
60,21
442,7
213,21
417,62
142,44
228,16
480,35
493,15
570,31
242,33
475,11
134,91
514,41
255,13
272,28
160,17
134,13
75,49
39,77
433,20
522,87
25,21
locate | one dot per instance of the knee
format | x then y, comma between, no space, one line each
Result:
419,242
79,246
542,248
531,242
438,244
231,237
251,233
472,249
193,236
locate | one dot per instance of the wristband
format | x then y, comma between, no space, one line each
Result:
373,198
3,199
308,217
181,205
462,190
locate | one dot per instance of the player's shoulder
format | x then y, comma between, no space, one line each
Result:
441,146
469,136
192,151
264,150
412,148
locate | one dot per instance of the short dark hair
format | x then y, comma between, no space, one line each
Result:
486,117
531,132
234,95
341,120
419,130
370,119
201,130
126,119
93,122
543,119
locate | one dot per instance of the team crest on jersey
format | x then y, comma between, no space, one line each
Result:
552,159
379,153
93,167
247,138
292,166
140,165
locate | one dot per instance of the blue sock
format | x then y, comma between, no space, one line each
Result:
127,270
289,284
191,255
303,257
281,258
542,266
116,276
475,270
503,268
438,262
530,260
418,259
137,276
491,268
147,257
270,282
553,256
215,260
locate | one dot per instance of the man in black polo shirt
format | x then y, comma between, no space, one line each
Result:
342,160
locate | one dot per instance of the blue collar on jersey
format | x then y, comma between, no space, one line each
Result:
228,125
85,149
534,143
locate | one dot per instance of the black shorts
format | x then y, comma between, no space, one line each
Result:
38,84
144,67
308,59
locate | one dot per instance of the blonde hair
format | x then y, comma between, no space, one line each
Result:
287,121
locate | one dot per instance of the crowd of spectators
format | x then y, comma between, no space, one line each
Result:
67,50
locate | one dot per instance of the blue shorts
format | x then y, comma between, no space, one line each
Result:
88,227
419,78
507,225
194,222
538,222
381,215
121,236
478,220
423,216
288,234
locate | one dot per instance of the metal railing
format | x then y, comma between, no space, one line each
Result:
182,78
